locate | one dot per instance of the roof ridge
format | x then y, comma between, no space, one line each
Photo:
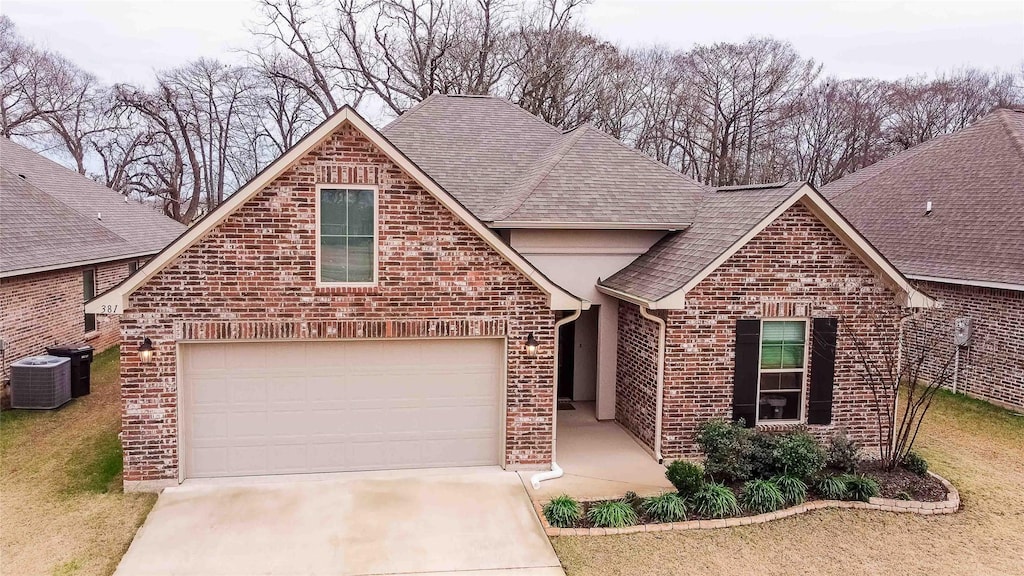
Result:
522,110
646,157
567,142
1015,137
897,159
411,109
762,186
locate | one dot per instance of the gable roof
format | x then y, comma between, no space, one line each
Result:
559,299
514,170
728,218
974,179
48,214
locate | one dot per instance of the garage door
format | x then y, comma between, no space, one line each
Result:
295,407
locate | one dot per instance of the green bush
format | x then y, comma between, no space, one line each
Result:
903,495
667,507
563,512
763,456
796,453
761,496
687,477
715,500
915,463
727,449
831,487
612,514
843,453
794,490
860,487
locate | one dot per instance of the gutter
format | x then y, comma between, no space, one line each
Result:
556,470
660,398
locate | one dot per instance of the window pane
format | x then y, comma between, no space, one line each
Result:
360,212
771,381
360,259
88,284
332,259
332,212
792,356
779,332
771,356
779,406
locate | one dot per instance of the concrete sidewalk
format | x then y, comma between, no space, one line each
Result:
469,522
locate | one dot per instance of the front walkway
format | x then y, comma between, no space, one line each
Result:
600,459
468,521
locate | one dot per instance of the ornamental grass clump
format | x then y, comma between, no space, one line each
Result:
860,487
612,514
667,507
793,489
563,512
715,500
831,487
761,496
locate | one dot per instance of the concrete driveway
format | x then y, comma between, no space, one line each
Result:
469,522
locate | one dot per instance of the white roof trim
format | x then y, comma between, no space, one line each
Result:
839,226
978,283
116,299
667,226
625,296
38,269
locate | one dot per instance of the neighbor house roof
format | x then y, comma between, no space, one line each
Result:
728,218
974,180
514,170
53,217
117,297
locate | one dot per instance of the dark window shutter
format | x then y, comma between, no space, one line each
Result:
823,369
744,385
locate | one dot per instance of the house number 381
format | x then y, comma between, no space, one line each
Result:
108,309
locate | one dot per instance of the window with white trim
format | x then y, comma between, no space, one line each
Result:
783,370
347,236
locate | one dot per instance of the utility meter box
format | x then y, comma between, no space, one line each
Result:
962,331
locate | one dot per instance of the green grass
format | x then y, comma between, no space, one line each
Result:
94,466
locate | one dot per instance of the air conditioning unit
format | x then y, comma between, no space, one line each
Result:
40,382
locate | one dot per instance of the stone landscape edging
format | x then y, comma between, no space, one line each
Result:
948,506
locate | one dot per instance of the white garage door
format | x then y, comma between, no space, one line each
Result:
295,407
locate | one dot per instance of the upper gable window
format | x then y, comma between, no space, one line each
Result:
347,224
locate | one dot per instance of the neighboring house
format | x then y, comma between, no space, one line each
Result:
394,300
950,214
63,239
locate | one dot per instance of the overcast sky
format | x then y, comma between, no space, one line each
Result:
124,41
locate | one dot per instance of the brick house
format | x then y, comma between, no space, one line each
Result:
949,214
65,239
422,296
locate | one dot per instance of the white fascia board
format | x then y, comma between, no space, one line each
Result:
536,224
977,283
559,298
626,297
817,204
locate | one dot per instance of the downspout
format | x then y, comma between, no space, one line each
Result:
556,470
659,401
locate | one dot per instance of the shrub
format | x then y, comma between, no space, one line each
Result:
563,512
727,449
762,496
667,507
797,454
631,498
832,487
843,453
860,487
794,490
903,495
915,463
687,477
612,514
763,460
715,500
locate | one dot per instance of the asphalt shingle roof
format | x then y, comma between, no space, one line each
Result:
507,165
974,179
724,217
48,216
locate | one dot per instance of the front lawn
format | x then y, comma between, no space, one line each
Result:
60,484
978,447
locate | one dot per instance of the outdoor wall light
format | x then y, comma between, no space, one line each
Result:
531,345
146,351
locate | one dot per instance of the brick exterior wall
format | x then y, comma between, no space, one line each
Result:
992,367
636,375
44,309
796,267
253,277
